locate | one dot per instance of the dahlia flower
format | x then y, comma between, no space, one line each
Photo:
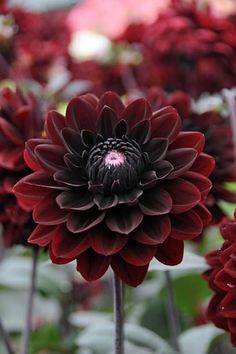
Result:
116,185
21,117
190,49
222,280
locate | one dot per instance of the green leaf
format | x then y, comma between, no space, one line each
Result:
197,340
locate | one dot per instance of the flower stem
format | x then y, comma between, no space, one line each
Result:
172,313
6,339
118,314
27,328
230,99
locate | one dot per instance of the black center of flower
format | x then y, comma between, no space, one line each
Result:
114,165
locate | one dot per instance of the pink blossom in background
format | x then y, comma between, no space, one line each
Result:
111,17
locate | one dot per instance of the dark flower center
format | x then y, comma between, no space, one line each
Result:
114,165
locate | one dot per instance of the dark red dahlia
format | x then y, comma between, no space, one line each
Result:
218,143
116,185
222,279
190,49
21,117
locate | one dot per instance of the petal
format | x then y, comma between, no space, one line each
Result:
228,305
47,212
42,235
105,202
112,100
68,245
91,265
80,115
83,221
148,179
123,220
50,157
204,164
91,99
71,178
183,194
153,230
163,168
129,197
88,138
58,260
203,213
10,133
128,273
55,122
186,226
170,252
121,128
75,200
72,141
156,149
29,154
106,122
42,179
138,254
155,201
136,111
194,140
106,242
201,182
166,123
12,158
182,160
141,132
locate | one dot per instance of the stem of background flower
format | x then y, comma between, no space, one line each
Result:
27,328
6,339
230,98
172,313
118,315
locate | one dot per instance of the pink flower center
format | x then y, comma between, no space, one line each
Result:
114,158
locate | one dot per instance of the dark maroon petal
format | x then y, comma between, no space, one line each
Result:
91,99
170,252
155,201
55,122
203,213
224,281
153,230
106,122
182,160
123,220
71,178
163,168
80,115
12,158
183,194
106,242
12,134
186,226
73,161
50,157
141,132
228,305
29,154
228,230
47,212
156,148
195,140
166,124
148,179
121,128
137,111
42,235
58,260
42,179
72,141
138,254
88,138
112,100
204,164
129,197
201,182
130,274
105,202
75,200
68,245
91,265
82,221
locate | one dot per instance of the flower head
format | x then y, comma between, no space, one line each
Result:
21,117
116,185
222,279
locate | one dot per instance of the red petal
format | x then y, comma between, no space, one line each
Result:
203,213
75,200
182,160
137,111
138,254
170,252
58,260
50,157
106,242
156,148
29,154
228,305
41,179
166,123
123,220
55,122
186,226
91,99
12,158
42,235
11,134
195,140
141,132
183,194
82,221
112,100
153,230
30,195
91,265
128,273
80,115
204,164
155,201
